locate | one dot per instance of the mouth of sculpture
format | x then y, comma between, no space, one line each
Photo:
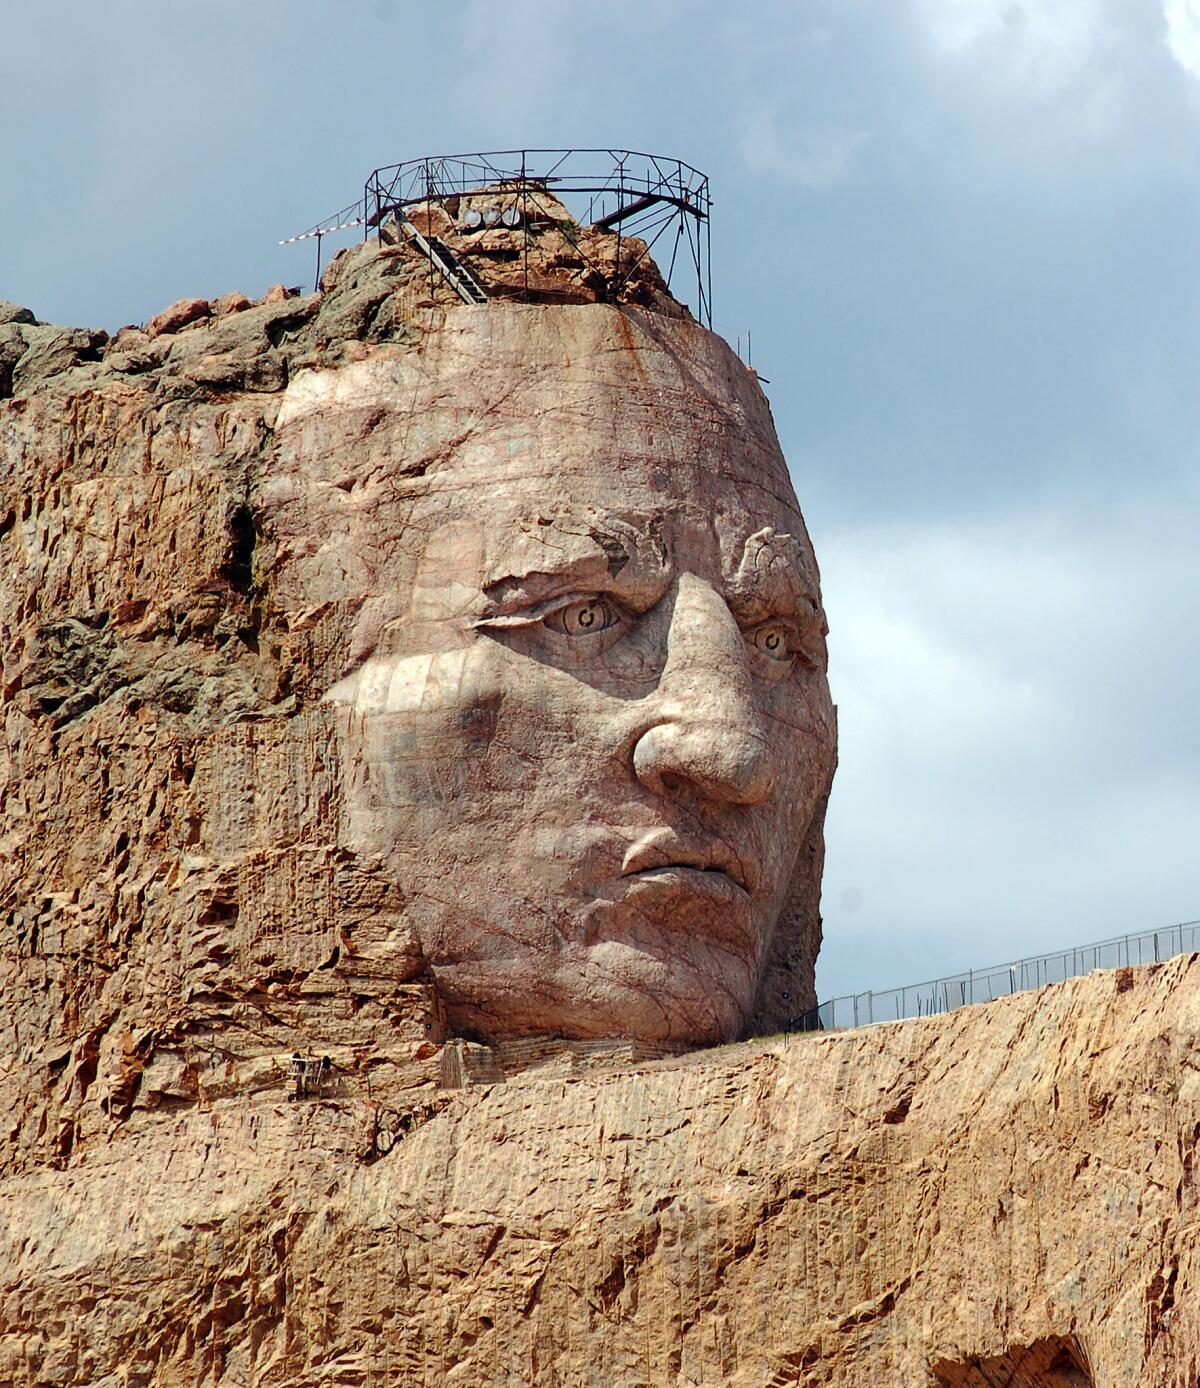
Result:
705,881
710,867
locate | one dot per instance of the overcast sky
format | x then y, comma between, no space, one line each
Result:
964,235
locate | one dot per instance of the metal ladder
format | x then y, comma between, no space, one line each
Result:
469,290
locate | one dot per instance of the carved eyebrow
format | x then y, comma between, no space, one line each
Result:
514,592
545,565
526,613
773,580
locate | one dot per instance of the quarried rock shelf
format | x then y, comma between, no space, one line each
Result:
1004,1195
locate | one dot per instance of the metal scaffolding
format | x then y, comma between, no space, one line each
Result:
626,192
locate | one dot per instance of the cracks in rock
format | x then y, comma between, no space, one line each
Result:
1055,1362
1160,1301
391,1126
238,566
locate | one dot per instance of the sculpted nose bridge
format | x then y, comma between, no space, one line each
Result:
706,732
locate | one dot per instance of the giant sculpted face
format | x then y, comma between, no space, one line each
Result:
580,679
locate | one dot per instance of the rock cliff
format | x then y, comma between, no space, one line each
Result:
416,742
1004,1195
216,838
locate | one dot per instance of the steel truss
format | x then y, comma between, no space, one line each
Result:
618,190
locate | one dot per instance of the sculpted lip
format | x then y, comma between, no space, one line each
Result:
665,850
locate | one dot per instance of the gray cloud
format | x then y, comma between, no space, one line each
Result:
1036,670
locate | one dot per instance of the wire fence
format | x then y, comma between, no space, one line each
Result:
985,985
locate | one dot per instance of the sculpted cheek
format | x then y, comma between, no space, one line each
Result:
472,728
420,730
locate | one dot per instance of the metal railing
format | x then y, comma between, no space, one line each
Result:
624,191
1001,980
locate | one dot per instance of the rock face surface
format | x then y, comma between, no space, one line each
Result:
1002,1196
416,738
413,665
379,670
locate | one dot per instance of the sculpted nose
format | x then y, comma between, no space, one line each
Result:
707,739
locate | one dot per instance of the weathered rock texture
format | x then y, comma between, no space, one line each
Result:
378,668
374,663
404,682
1005,1195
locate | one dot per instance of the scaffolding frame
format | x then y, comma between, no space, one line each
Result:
626,191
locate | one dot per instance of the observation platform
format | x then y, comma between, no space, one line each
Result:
524,223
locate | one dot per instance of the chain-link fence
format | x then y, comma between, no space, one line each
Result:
984,985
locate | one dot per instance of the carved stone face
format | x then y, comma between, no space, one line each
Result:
585,718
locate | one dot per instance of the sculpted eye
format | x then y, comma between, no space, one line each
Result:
585,618
774,640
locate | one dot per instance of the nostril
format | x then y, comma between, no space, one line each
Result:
714,762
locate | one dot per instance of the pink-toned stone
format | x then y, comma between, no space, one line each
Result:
128,339
337,718
587,728
440,689
1002,1196
277,294
311,678
177,316
233,302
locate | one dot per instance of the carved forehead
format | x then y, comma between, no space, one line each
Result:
506,392
507,424
522,543
633,530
